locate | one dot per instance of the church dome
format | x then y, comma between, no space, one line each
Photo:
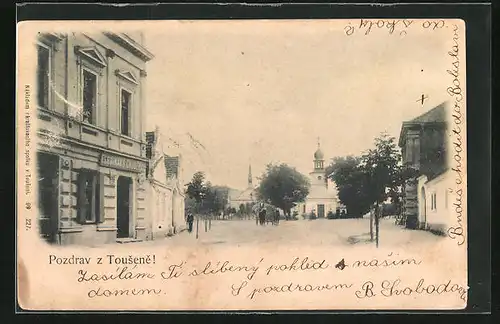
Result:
318,155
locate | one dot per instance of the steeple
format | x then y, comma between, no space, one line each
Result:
250,185
318,158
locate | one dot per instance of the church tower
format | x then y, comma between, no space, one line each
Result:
319,159
318,174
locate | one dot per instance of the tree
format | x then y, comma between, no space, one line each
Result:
196,189
351,181
283,187
365,182
190,204
386,174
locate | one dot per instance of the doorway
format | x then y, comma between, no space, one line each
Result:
423,208
48,195
123,205
321,211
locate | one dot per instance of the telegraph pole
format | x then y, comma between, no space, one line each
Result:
197,221
377,216
372,210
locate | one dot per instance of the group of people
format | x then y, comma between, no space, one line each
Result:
261,217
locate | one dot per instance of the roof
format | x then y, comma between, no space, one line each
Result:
436,114
318,155
247,195
171,166
433,116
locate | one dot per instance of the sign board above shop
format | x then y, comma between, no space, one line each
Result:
122,163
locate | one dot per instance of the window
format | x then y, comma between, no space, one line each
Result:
319,177
433,201
43,76
125,112
89,96
89,196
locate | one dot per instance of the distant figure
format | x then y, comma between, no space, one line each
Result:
190,220
262,216
277,217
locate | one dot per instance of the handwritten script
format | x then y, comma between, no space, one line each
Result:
391,26
457,232
278,277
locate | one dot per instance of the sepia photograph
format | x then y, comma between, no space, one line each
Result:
168,157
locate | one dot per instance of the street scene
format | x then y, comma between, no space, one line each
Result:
238,139
242,165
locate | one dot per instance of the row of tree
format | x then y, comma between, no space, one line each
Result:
372,178
205,198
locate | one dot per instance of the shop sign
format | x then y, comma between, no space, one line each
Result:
118,162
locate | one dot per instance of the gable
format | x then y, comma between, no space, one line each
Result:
92,54
127,75
159,173
435,115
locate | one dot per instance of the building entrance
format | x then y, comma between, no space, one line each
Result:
124,210
321,211
48,194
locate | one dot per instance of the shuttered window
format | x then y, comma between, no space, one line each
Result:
43,76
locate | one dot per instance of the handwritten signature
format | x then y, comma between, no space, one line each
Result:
395,287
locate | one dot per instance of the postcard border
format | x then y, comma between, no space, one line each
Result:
478,21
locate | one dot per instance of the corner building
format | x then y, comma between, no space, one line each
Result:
91,160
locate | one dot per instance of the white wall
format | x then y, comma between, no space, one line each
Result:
437,202
160,209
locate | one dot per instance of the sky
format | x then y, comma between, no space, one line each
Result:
255,92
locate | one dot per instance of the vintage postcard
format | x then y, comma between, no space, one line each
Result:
242,165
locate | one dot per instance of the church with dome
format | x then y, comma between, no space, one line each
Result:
323,196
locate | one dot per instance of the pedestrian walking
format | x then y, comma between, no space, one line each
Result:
262,216
190,220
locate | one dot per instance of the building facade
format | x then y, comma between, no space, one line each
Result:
424,141
323,196
164,190
90,151
244,197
